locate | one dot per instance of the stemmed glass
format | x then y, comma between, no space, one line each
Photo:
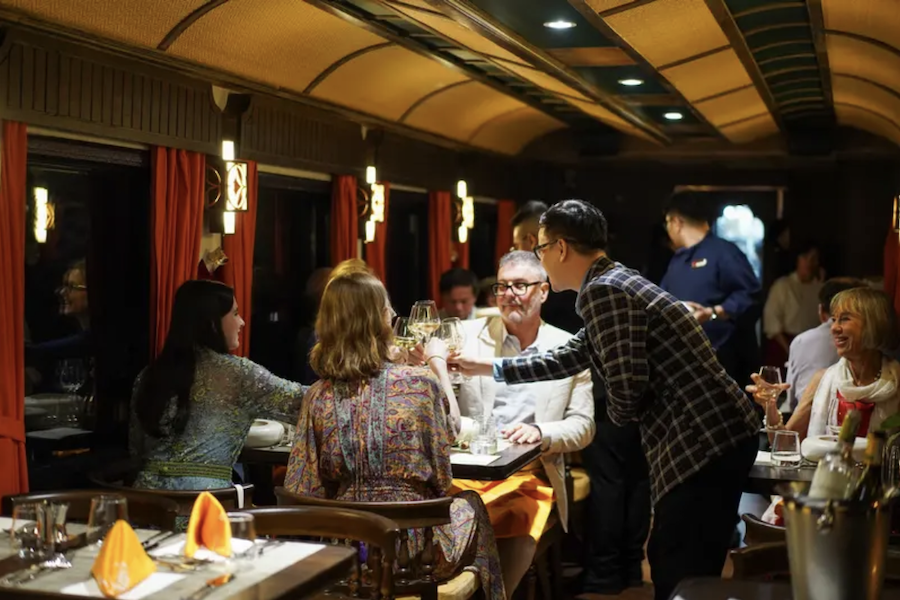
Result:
769,378
71,376
405,337
424,319
451,331
105,511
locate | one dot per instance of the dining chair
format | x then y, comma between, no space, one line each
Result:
413,574
759,532
120,476
769,560
372,576
145,511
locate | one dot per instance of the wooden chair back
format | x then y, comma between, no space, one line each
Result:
145,511
413,574
120,477
760,532
378,533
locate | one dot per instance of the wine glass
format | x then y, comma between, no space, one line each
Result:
243,539
405,337
424,318
454,336
105,511
769,377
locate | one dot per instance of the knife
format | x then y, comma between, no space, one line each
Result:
212,584
159,541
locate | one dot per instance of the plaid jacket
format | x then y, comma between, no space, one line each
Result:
659,369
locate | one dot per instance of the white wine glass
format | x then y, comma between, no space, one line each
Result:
769,379
424,318
454,336
405,337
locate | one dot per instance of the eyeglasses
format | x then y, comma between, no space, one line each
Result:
539,249
72,287
519,288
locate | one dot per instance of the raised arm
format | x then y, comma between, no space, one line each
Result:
266,395
564,361
618,329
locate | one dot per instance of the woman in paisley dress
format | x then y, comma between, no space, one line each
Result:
193,406
372,430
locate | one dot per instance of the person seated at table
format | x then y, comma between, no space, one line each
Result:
193,406
863,328
371,430
558,414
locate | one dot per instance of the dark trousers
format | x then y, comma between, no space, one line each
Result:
693,523
619,505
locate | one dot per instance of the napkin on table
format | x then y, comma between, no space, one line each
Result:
122,562
208,526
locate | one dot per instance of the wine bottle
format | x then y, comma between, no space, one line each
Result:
833,479
869,486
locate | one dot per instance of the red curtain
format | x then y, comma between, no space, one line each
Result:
13,467
344,219
375,251
506,209
440,227
176,221
892,268
238,272
462,255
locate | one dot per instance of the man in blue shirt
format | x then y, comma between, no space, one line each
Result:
716,282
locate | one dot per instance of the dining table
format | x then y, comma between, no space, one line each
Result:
764,477
508,460
733,589
287,570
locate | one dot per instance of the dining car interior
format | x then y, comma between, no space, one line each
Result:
450,299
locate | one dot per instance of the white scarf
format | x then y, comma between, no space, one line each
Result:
883,393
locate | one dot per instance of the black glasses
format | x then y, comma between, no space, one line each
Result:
539,249
71,287
519,288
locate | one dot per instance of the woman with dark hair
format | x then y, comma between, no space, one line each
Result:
193,406
374,430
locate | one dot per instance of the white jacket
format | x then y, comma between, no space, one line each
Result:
564,410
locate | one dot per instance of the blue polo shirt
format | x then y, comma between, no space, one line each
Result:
714,272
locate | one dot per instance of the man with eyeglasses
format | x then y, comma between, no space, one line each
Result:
697,426
558,414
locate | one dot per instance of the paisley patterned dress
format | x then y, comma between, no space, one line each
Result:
229,392
389,442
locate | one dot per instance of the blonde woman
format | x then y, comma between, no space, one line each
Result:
371,430
863,327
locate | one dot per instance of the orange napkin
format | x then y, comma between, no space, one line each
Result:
208,526
122,562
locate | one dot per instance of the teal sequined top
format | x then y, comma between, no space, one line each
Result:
229,392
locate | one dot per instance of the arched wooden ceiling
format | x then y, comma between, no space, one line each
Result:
489,75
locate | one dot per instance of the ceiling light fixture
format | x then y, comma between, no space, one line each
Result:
631,82
674,116
559,24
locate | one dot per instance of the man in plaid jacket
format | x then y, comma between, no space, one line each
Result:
698,428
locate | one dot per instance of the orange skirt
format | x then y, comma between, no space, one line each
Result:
517,506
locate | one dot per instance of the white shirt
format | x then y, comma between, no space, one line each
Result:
514,403
811,352
792,306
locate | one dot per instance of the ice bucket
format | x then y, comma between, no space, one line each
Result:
837,549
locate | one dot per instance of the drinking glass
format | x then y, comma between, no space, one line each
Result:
424,318
105,511
405,338
243,538
454,336
890,468
26,534
772,377
485,441
786,449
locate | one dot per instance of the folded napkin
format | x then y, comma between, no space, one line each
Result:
122,562
208,526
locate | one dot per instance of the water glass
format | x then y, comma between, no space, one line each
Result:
27,532
243,539
485,441
105,511
786,449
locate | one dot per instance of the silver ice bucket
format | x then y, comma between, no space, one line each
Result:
837,549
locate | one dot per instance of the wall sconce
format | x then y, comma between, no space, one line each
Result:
377,203
896,217
228,150
370,230
236,186
371,175
462,190
468,212
44,214
463,234
229,222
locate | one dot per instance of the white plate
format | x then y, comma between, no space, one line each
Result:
264,433
815,447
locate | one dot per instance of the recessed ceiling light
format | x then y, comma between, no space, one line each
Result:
559,24
631,82
673,116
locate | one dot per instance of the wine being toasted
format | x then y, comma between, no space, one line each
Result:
869,486
425,328
405,343
833,479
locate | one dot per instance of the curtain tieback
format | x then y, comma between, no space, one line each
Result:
13,429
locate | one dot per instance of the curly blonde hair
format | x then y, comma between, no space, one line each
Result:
354,338
879,329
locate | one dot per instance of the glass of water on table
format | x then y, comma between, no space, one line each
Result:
786,449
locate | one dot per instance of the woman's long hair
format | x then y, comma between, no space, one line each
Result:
353,338
196,323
